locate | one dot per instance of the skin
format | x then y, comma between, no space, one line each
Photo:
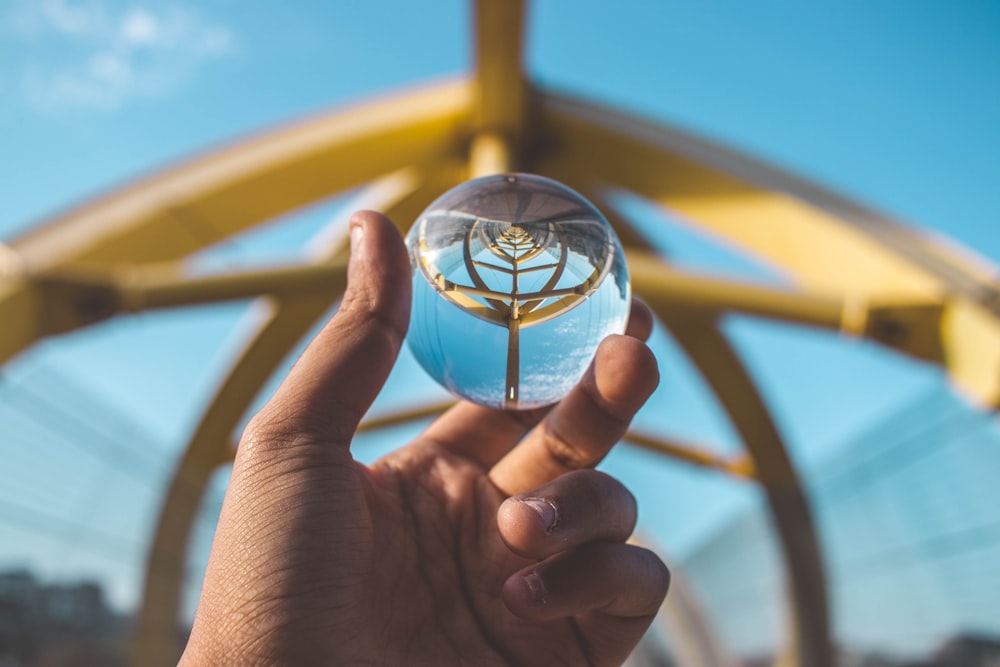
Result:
488,540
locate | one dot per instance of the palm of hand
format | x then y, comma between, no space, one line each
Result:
437,565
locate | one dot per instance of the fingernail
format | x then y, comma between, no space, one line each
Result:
545,510
536,587
356,233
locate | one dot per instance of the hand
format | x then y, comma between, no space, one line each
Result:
489,540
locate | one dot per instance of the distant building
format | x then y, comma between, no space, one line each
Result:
967,650
57,625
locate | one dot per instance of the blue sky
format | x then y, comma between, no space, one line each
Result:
893,103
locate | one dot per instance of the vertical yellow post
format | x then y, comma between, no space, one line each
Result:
501,92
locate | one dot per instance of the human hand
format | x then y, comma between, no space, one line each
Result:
488,540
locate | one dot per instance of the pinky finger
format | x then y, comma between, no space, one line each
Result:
612,591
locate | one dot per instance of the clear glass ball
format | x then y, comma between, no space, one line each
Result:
516,280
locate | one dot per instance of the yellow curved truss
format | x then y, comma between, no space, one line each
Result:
851,270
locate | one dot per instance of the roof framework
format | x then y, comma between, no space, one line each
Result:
852,270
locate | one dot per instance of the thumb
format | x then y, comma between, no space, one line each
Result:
340,373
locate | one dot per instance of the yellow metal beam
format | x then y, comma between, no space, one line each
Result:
150,287
21,306
490,153
721,367
912,327
501,90
665,288
73,298
970,342
501,118
821,240
184,209
404,416
739,466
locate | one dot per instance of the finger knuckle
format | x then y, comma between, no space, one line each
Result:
592,491
567,455
269,423
607,501
380,318
657,577
273,432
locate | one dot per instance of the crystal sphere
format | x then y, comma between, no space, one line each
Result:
516,280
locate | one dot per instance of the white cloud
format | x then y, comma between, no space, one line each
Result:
140,27
91,54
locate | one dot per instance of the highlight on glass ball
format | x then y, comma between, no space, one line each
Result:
516,280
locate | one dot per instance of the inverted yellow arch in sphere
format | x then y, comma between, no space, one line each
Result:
852,270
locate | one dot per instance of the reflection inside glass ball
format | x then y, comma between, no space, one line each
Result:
516,280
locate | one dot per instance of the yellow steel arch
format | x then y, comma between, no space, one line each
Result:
707,347
850,269
206,200
65,273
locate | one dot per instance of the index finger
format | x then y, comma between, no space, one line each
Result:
584,426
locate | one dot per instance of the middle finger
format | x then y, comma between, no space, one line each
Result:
485,435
